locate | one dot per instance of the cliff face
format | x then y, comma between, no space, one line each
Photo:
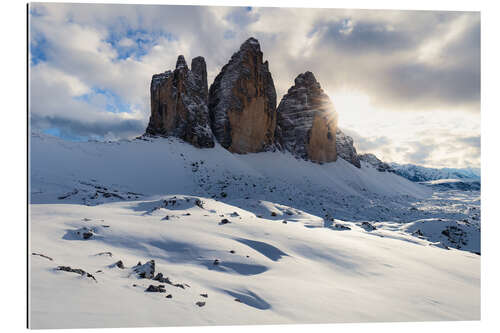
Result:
307,121
179,104
346,150
242,102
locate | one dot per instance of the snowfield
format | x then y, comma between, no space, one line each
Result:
240,239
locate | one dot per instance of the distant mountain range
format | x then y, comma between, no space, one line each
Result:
418,173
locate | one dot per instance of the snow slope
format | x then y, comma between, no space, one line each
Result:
305,243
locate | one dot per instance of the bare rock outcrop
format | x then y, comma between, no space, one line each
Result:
242,102
307,121
346,149
179,104
376,162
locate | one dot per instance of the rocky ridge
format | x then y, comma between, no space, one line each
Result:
346,149
376,162
239,110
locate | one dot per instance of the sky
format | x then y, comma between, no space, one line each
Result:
405,84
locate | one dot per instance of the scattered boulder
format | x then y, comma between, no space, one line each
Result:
119,264
338,226
368,226
168,296
156,289
75,270
204,295
199,203
216,262
224,221
84,233
200,304
87,235
42,255
145,271
418,233
159,277
242,102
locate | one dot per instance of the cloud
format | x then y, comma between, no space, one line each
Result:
91,64
472,141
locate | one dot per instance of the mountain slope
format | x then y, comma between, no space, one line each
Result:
243,239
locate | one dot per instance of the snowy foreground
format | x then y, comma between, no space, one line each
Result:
240,239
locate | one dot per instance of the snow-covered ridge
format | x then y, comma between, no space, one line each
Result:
418,173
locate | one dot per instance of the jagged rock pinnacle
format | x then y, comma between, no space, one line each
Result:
179,104
242,102
307,121
181,62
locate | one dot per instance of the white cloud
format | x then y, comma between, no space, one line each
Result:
394,60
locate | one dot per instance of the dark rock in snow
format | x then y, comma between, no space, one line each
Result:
307,121
418,233
204,295
87,235
179,104
338,226
456,236
216,261
200,304
156,289
368,226
42,255
199,203
145,271
242,102
224,221
119,264
159,277
76,270
168,296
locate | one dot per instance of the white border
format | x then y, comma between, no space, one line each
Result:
13,172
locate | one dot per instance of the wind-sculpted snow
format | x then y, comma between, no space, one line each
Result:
256,268
238,239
